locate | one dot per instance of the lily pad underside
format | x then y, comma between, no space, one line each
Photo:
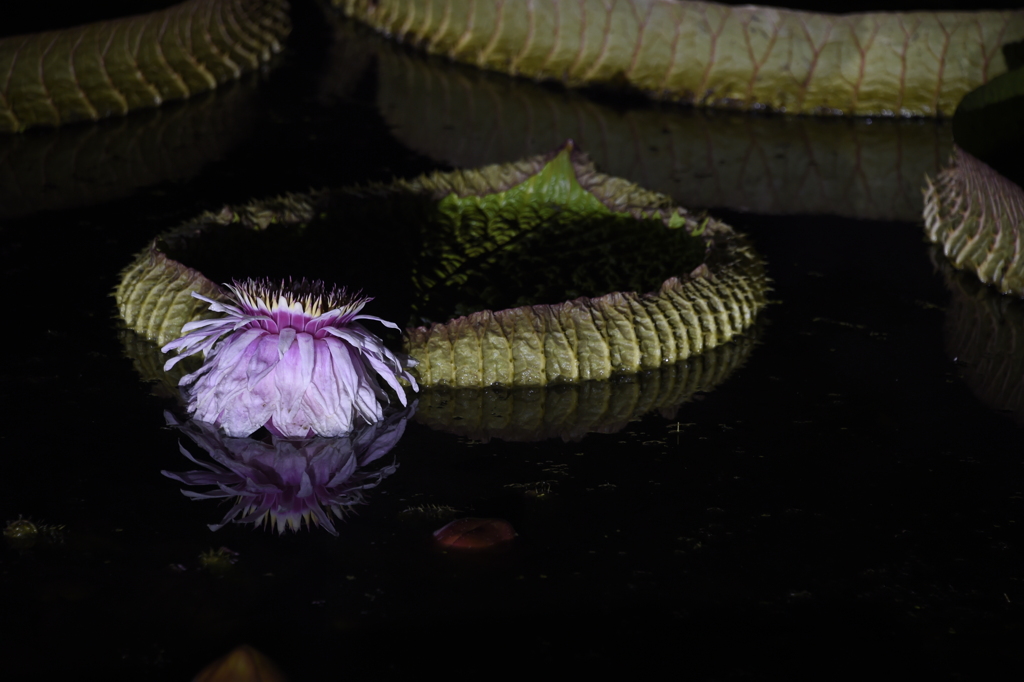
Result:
707,54
570,411
977,216
481,225
467,117
110,68
749,57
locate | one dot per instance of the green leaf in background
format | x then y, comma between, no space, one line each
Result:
988,122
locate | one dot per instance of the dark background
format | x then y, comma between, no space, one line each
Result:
845,501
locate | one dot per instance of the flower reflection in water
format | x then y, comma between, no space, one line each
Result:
284,482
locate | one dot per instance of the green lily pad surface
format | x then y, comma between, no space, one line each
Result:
521,274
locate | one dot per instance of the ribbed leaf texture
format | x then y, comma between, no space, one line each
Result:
154,296
586,338
898,63
112,67
566,411
977,216
468,117
74,166
571,411
591,338
595,338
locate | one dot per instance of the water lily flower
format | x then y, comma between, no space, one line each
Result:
296,360
286,483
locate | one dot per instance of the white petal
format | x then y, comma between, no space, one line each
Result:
286,336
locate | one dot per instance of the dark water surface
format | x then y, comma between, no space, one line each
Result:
853,491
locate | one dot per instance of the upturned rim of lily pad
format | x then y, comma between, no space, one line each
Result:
976,216
582,339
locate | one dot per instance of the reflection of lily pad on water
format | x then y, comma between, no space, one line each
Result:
285,483
985,335
570,411
88,164
467,117
148,363
715,55
109,68
466,236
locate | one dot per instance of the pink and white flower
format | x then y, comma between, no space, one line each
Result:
296,360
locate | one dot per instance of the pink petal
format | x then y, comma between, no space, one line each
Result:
295,371
263,361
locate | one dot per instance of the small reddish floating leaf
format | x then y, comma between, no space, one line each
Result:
474,533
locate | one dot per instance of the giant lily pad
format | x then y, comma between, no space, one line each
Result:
601,277
467,117
570,411
748,57
109,68
567,411
977,215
